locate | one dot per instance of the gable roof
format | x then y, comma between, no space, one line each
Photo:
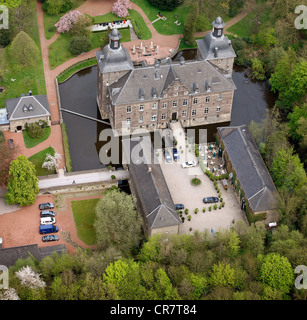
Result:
255,180
8,256
27,107
150,185
146,78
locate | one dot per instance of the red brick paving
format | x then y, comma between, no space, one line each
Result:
21,227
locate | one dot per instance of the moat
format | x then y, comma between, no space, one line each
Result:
251,100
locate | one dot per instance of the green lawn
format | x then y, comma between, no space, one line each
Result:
165,27
27,78
59,50
39,158
75,68
84,215
32,142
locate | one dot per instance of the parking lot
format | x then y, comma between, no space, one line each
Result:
21,227
182,191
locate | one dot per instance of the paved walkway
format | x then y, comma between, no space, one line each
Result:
84,178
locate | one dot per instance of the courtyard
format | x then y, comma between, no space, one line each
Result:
191,196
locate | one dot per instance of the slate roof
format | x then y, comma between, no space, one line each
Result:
255,180
152,79
8,256
151,187
27,107
114,60
207,45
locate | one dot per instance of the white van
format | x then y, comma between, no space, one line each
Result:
47,220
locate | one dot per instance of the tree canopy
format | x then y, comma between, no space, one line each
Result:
22,186
117,223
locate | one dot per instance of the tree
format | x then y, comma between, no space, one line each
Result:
6,156
120,8
24,49
79,44
287,170
117,222
11,3
52,162
167,5
23,184
297,88
189,24
258,71
29,278
67,21
277,272
54,6
81,25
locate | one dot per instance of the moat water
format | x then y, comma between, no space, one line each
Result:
251,100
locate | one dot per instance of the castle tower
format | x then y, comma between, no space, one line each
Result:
216,48
113,62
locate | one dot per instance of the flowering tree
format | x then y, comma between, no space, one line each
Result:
9,294
52,162
67,21
30,278
120,8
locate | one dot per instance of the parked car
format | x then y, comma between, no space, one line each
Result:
47,220
167,156
47,213
48,228
11,143
46,206
188,164
175,154
50,237
210,200
179,206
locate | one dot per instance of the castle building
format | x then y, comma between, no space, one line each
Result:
194,92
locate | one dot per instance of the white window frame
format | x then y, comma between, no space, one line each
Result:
184,113
141,108
164,105
218,109
154,117
154,106
175,103
129,109
220,97
206,110
207,99
195,100
163,116
193,112
185,102
128,120
141,119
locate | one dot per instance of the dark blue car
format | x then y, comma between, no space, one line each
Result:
175,154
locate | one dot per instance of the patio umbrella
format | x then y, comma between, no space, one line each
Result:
212,170
213,154
207,164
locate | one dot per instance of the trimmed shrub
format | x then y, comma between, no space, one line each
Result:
79,44
35,130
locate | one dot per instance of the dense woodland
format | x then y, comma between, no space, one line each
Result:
243,263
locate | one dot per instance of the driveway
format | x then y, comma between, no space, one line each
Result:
182,191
